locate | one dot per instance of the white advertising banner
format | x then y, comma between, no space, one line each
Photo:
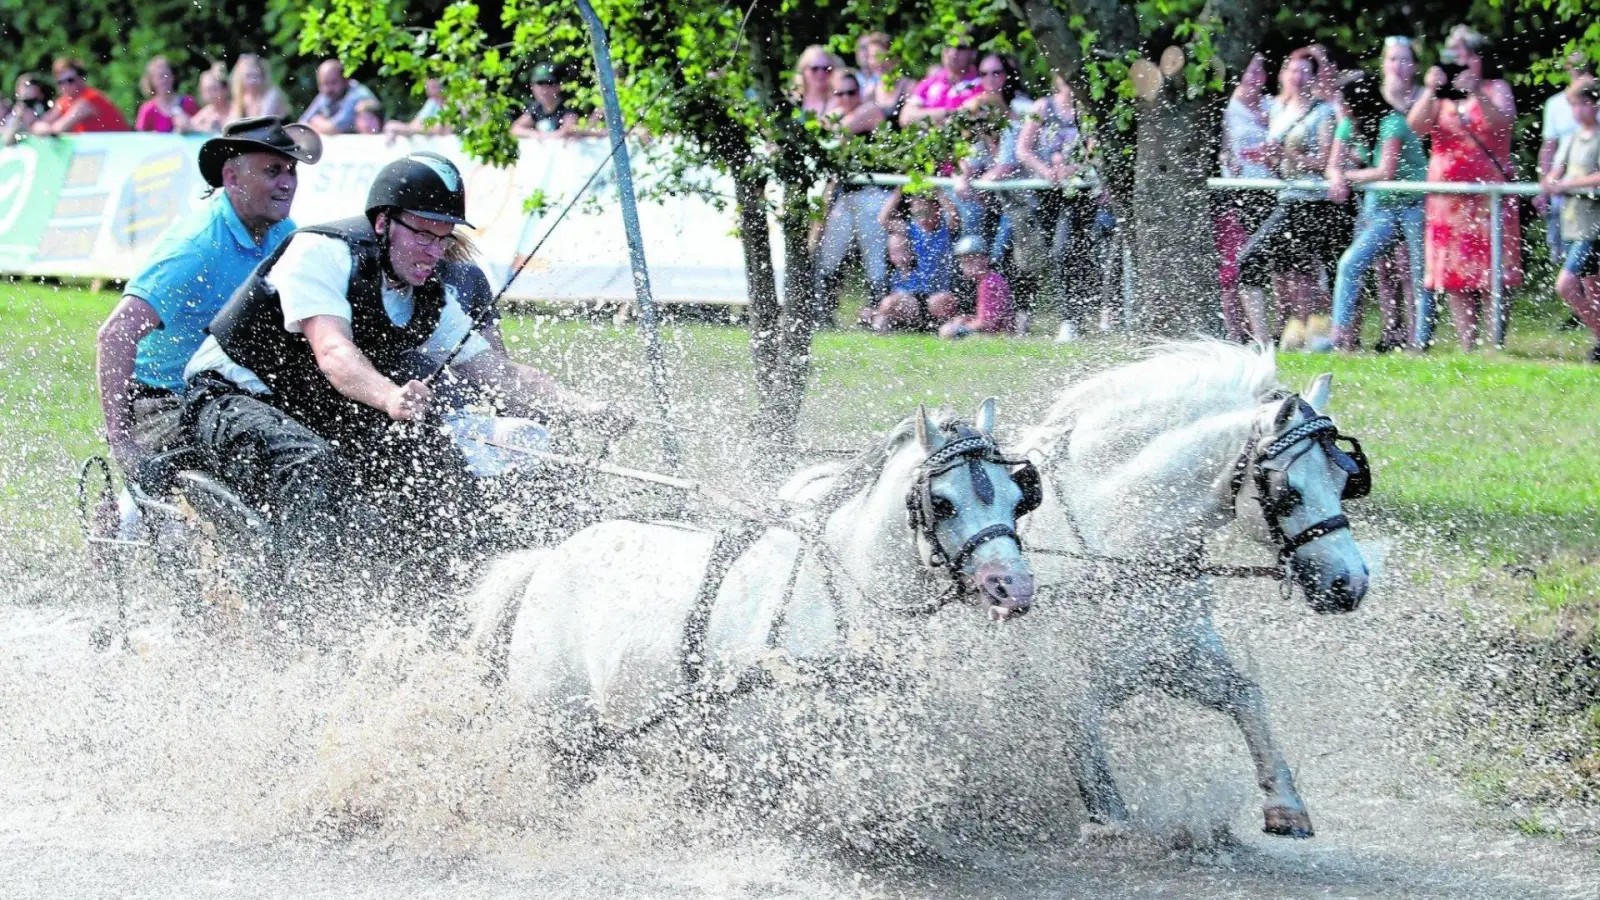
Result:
94,206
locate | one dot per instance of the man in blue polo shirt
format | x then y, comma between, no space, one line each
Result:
161,320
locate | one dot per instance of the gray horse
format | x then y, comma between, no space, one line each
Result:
1140,465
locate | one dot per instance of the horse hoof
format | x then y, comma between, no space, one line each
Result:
1285,821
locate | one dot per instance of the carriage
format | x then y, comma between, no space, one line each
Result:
180,526
626,613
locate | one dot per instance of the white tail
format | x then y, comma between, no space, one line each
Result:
492,606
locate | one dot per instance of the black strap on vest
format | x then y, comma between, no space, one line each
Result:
251,331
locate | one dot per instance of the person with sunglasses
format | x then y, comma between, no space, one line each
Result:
312,397
79,108
850,217
33,102
549,115
813,80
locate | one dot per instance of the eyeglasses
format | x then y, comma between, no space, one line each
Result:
426,239
1397,40
819,67
545,83
68,79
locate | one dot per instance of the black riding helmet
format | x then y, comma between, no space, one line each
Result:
424,184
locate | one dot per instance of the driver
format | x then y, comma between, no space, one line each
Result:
303,397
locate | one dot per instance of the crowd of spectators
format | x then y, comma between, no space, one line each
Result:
968,259
1315,248
948,259
68,104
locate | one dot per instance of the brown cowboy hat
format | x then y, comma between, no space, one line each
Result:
262,134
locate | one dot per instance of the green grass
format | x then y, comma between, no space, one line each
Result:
1499,451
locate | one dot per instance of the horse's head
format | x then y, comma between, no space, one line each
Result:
1290,486
963,504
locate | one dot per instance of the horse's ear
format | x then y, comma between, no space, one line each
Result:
986,417
1316,393
925,429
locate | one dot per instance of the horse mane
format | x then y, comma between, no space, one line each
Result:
865,468
1172,384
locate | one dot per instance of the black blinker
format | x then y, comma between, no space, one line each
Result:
1026,477
1359,484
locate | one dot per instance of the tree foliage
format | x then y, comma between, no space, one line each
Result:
115,38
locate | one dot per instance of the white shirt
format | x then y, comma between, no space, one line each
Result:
311,278
1246,131
1558,120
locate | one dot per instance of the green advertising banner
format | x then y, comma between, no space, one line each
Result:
31,175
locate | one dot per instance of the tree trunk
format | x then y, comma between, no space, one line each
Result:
783,393
764,309
1175,255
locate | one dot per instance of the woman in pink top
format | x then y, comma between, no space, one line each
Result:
165,111
952,83
1471,140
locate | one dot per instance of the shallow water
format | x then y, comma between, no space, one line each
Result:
384,766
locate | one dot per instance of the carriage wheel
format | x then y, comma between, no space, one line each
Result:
97,493
237,563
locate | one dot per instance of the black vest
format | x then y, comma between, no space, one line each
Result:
250,329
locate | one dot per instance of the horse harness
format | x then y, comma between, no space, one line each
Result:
968,447
1276,505
924,511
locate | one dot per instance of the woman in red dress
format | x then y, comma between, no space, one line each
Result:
1471,140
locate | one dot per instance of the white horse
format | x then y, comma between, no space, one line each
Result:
626,621
1141,464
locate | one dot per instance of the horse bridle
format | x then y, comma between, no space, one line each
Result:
1317,430
924,511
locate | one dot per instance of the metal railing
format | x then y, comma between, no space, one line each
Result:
1088,182
980,184
1494,191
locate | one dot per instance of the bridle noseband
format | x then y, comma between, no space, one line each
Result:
970,448
1275,507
